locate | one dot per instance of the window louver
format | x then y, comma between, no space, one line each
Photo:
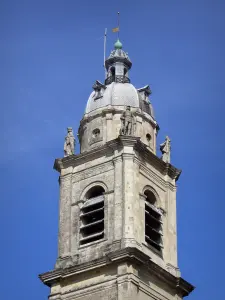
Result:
92,220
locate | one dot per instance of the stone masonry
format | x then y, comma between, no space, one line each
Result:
105,247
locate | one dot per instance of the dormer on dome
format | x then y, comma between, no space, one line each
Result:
145,103
108,102
117,235
117,65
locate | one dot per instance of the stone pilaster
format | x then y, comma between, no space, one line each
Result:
128,195
136,202
75,219
64,246
109,126
142,198
118,198
171,234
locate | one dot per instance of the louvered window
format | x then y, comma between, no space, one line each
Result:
153,222
92,218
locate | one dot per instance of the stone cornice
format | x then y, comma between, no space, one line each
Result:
127,140
164,168
133,255
108,149
117,109
74,160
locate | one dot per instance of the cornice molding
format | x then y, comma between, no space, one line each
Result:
92,170
117,159
164,168
148,173
109,109
129,254
74,160
108,149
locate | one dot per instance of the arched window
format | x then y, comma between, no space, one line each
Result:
148,137
113,72
153,221
92,216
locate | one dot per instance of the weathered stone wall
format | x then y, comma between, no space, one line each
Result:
124,177
123,281
108,121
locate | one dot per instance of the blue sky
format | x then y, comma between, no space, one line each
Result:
51,52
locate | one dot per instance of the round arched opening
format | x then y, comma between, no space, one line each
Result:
148,137
95,191
113,73
150,197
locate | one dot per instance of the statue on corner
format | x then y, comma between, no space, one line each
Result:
128,122
69,144
165,148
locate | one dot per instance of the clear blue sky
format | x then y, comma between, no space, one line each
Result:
51,52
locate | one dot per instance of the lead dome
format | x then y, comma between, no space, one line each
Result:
115,94
108,102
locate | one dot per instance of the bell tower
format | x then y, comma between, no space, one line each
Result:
117,216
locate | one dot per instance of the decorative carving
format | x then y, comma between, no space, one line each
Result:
165,148
128,122
69,143
98,87
117,78
146,91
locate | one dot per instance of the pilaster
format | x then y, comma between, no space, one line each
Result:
75,224
128,193
64,243
118,198
109,126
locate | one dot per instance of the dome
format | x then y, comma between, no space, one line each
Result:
115,94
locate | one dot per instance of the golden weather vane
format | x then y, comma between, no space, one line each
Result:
117,29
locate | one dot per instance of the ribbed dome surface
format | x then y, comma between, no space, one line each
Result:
115,94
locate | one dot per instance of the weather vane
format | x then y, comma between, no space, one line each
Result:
116,29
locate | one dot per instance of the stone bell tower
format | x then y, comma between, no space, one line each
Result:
117,219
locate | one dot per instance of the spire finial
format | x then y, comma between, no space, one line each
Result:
118,44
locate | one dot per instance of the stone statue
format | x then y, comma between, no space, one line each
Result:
128,122
69,143
165,148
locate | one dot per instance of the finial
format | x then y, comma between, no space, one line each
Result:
118,44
